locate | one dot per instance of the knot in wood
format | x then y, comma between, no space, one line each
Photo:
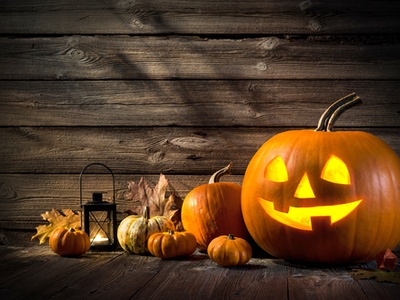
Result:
77,53
270,43
262,66
315,25
191,143
305,5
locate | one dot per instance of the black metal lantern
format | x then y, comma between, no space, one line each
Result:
100,217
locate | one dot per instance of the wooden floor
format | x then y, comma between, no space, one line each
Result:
37,273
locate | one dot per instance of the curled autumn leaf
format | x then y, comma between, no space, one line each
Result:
57,218
142,194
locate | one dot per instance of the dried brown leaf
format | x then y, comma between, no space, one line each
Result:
173,211
57,218
145,195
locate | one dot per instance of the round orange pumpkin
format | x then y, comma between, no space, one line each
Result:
172,244
69,242
229,251
323,196
214,209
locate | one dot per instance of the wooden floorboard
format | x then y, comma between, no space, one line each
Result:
37,273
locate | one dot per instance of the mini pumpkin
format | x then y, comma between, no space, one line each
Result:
69,242
214,209
324,196
134,231
172,244
229,251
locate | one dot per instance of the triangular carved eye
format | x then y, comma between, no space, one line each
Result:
336,171
276,170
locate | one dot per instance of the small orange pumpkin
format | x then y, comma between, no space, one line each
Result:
229,251
69,242
213,209
172,244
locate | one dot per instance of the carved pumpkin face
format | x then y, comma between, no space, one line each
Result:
301,217
321,196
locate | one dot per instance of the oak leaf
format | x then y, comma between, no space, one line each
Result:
144,195
57,218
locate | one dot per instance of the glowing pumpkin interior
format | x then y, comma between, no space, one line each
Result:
335,171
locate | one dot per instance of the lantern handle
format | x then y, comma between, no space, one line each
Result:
80,180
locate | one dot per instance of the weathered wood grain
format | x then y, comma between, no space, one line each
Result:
105,275
24,197
220,283
325,283
186,57
198,17
141,150
45,270
222,103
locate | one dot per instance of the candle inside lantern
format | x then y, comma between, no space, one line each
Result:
99,240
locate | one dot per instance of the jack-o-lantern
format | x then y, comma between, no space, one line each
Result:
323,196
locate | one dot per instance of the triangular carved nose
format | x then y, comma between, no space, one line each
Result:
304,189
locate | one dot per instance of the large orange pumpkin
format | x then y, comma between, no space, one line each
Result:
323,196
214,209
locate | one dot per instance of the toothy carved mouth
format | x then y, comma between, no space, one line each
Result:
301,217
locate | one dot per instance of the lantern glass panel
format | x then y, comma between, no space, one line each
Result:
100,225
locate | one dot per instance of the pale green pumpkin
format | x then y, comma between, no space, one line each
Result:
134,231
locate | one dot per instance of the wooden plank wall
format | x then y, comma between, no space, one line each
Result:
179,87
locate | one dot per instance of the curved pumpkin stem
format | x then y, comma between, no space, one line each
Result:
217,175
230,237
146,212
333,112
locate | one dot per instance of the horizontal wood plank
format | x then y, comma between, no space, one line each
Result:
198,17
172,150
194,103
184,57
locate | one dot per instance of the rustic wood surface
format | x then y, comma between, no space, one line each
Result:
192,57
178,87
175,150
38,273
205,103
199,17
